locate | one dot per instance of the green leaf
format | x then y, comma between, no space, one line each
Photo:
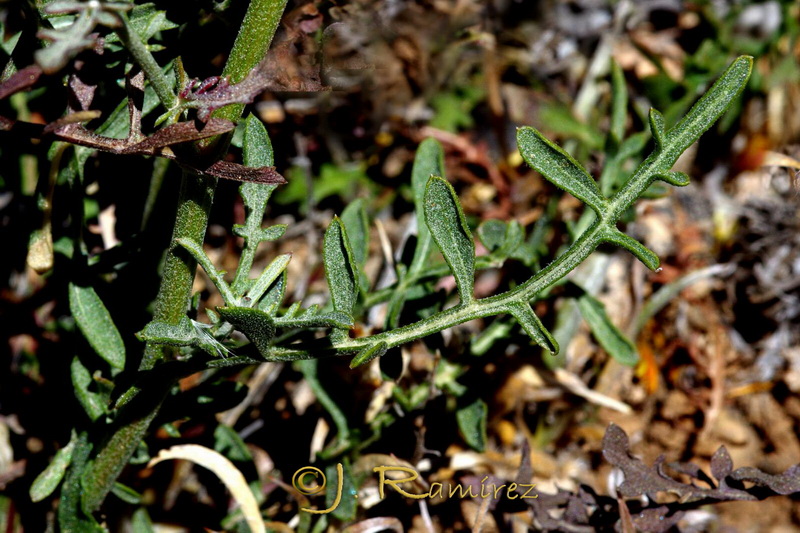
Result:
187,332
126,494
610,338
533,326
257,325
271,301
428,161
340,269
645,255
472,424
146,20
94,403
449,228
708,109
492,234
140,522
619,103
46,482
267,278
95,322
368,354
657,128
552,162
312,318
215,275
230,444
356,223
678,179
348,505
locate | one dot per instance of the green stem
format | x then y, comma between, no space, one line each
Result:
194,204
147,63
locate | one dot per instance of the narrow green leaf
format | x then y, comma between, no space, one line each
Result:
126,494
267,278
472,424
619,102
214,275
230,444
140,522
646,256
340,268
96,325
449,228
356,223
678,179
657,301
311,318
271,301
46,482
552,162
657,128
368,354
428,161
533,326
94,403
610,338
257,325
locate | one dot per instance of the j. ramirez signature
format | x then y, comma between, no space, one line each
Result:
512,491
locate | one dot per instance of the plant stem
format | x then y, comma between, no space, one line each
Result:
147,63
194,204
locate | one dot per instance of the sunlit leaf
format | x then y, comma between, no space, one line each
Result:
96,325
449,228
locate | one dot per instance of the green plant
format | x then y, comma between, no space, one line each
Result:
177,345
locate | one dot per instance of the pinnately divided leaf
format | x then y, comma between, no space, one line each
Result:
449,228
96,325
552,162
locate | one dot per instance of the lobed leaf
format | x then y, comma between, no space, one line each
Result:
552,162
613,341
448,226
96,324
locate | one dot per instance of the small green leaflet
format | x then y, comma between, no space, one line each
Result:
428,161
610,338
339,267
472,424
448,226
95,322
46,482
94,403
